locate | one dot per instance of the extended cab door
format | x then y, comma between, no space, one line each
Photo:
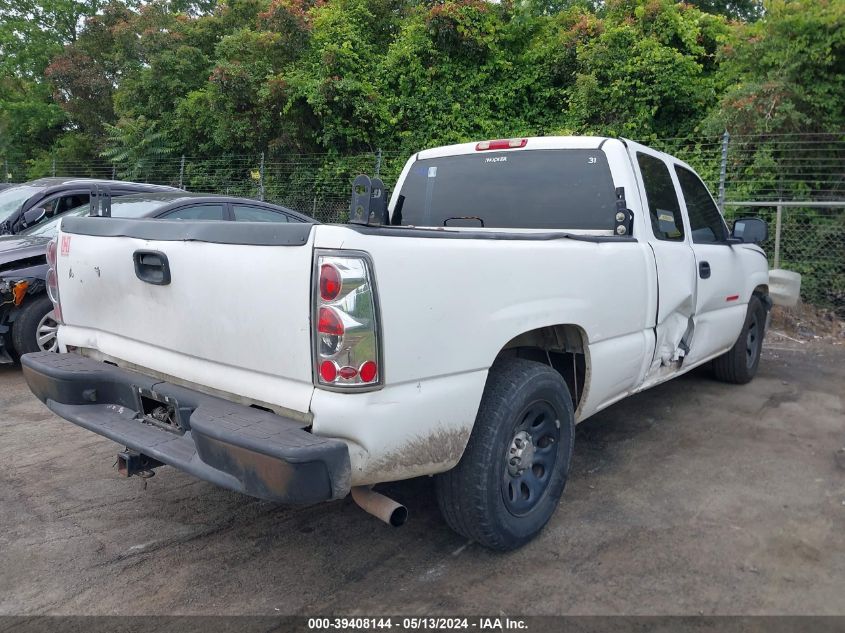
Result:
668,238
719,313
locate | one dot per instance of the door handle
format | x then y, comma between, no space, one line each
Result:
152,267
704,270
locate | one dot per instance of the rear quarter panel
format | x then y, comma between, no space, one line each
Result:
449,306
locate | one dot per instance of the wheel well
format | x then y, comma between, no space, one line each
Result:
563,347
762,291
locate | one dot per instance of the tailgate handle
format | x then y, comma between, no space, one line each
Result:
152,267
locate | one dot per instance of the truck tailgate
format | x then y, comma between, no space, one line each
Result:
237,299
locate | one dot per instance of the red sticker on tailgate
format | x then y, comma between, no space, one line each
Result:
65,245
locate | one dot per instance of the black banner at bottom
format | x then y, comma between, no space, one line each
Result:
401,624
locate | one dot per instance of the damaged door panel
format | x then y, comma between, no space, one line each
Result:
675,264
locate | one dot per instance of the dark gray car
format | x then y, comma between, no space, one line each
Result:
25,205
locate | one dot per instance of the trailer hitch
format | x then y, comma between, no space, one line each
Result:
131,462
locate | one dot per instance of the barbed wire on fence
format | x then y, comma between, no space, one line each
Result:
800,167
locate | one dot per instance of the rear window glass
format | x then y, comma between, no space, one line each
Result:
537,189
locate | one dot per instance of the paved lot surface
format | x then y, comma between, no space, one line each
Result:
695,497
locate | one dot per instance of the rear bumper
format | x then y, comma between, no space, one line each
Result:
238,447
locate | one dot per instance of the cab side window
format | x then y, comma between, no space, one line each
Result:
58,205
247,213
198,212
664,210
706,222
66,203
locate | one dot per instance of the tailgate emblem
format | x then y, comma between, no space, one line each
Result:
65,245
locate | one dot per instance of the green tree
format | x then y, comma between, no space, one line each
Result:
735,9
332,92
787,72
31,32
649,73
136,147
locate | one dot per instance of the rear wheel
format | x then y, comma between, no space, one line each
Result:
739,364
35,327
514,469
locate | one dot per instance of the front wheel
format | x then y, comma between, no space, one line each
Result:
739,364
35,327
514,469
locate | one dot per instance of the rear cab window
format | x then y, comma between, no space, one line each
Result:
531,189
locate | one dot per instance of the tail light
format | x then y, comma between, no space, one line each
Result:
52,281
347,354
502,143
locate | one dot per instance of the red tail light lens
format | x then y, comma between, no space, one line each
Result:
346,333
330,282
330,322
368,371
328,371
347,372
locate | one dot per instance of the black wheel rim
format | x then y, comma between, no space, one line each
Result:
752,343
531,457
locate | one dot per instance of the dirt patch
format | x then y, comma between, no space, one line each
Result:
806,322
422,454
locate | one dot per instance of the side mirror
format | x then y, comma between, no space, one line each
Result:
750,230
34,215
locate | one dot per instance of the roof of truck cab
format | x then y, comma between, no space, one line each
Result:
545,142
533,142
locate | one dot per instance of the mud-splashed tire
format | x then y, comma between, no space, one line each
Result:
739,364
498,495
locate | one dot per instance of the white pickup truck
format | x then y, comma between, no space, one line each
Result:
520,286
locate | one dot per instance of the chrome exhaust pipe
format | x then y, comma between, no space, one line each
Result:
379,506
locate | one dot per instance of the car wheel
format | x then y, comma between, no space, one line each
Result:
739,364
514,469
35,327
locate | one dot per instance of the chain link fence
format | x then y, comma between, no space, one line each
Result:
319,185
744,172
796,182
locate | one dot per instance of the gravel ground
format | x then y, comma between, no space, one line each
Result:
692,498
